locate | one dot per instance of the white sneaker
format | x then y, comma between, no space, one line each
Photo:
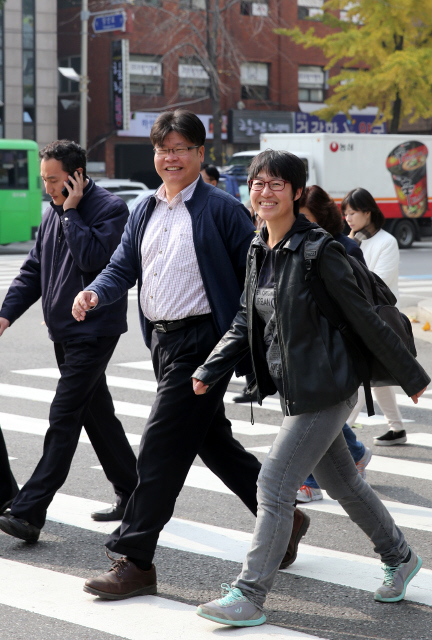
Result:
363,462
307,494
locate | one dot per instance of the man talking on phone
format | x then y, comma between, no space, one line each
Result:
78,234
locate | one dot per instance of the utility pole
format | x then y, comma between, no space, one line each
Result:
85,14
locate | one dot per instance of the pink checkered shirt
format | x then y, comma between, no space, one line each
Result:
172,286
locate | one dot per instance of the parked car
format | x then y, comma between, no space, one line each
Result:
132,195
114,185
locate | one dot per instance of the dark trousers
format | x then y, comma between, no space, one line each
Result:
8,485
82,398
180,426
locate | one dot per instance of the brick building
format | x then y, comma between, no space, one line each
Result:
265,78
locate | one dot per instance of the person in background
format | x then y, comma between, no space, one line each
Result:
381,253
210,174
319,207
8,485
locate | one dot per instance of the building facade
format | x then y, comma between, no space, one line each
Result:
28,70
265,79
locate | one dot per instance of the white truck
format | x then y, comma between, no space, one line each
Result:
394,168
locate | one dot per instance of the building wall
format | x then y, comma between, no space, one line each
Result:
252,36
13,109
45,70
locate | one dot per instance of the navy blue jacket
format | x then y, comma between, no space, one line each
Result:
351,246
222,232
71,249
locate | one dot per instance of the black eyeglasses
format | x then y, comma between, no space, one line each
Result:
178,151
274,185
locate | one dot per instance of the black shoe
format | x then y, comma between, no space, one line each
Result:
246,397
390,438
19,528
6,505
115,512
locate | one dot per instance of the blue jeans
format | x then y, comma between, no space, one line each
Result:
311,441
356,449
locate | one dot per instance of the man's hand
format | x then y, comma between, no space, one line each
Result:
84,301
4,324
417,396
75,192
199,387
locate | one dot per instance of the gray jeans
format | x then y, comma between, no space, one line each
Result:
312,442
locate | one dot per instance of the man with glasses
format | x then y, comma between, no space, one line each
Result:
187,247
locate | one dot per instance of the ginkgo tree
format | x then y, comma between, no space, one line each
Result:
382,50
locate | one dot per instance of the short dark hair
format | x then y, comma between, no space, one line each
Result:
183,122
323,208
69,153
211,171
361,200
280,164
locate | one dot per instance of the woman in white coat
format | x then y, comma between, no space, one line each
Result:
381,253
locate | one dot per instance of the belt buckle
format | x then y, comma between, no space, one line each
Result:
160,326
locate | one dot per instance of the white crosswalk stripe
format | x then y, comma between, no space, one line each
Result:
38,590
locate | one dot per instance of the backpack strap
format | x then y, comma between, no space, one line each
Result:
312,251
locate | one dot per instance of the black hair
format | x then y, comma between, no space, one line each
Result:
280,164
323,208
69,153
183,122
211,171
361,200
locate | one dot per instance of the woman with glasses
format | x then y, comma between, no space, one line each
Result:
381,252
296,351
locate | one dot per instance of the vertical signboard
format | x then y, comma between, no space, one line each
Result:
120,84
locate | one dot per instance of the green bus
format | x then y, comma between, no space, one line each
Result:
20,190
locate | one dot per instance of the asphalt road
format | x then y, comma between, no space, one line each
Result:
328,591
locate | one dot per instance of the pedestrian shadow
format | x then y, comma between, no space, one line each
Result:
402,495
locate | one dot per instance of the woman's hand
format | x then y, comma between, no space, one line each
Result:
417,396
199,387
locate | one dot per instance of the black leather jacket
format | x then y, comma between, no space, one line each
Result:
317,369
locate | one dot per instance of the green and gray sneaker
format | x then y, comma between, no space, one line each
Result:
396,579
233,609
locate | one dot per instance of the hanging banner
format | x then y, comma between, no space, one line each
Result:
120,84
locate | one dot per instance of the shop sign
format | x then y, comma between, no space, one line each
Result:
307,123
246,126
141,123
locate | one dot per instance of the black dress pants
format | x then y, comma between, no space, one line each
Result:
180,426
82,398
8,485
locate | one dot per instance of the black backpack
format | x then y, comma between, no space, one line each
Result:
371,371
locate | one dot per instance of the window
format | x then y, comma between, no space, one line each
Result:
309,9
29,84
145,74
254,8
139,3
311,84
13,169
194,81
65,85
193,4
254,78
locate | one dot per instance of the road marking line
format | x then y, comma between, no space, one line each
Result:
61,597
317,563
405,515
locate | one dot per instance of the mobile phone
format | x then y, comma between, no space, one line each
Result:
65,192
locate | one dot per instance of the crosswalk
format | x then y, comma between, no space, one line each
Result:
327,566
37,588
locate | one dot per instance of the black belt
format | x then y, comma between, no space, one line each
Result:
164,326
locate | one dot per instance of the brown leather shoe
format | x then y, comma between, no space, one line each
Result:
300,526
123,580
